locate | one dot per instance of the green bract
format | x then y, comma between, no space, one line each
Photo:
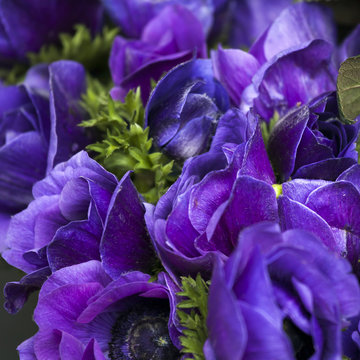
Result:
124,144
81,47
194,322
92,52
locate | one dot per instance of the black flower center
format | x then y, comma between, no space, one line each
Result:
142,334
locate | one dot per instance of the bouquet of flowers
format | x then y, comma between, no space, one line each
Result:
180,179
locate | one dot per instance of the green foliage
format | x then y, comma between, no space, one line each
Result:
125,145
267,128
348,89
81,46
14,75
92,52
194,319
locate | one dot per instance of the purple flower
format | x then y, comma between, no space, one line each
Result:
295,26
277,290
168,39
330,210
351,339
80,212
278,74
350,46
184,108
213,199
311,142
291,78
132,16
26,25
38,119
83,314
241,22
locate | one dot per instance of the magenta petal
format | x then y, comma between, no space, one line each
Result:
4,225
227,330
179,230
93,351
20,236
234,69
270,342
75,242
46,344
31,24
352,175
65,304
125,244
175,263
300,189
311,73
185,30
16,293
328,169
26,349
70,347
74,199
90,272
37,77
294,215
350,46
67,83
133,283
295,25
207,196
251,201
16,181
346,214
232,127
255,161
285,139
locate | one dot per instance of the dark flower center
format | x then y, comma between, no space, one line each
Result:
142,334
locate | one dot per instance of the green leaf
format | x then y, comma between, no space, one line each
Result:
81,46
348,89
195,292
92,52
13,76
124,144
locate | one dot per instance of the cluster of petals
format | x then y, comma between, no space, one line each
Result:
266,205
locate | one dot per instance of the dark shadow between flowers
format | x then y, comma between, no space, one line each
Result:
14,329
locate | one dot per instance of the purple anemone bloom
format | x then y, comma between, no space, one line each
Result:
26,25
241,22
351,339
132,16
298,24
350,46
184,108
40,119
280,296
170,38
275,75
330,210
201,215
83,314
80,212
310,141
